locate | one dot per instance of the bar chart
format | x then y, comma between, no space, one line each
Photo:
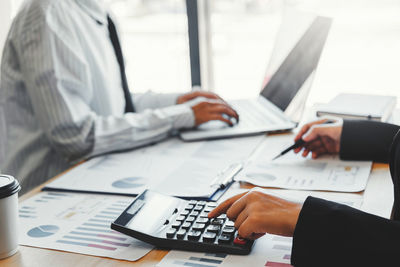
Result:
78,223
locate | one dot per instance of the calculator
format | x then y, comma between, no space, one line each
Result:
173,223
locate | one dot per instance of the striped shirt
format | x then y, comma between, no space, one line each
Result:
61,97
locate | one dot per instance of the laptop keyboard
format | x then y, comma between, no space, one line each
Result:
252,114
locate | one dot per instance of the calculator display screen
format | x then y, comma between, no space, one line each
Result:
150,212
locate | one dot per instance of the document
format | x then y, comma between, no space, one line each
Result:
171,167
292,171
78,223
269,250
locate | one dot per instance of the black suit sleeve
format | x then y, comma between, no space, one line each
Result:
367,140
331,234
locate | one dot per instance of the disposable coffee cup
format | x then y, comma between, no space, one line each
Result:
9,188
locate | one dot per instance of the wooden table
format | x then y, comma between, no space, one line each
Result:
378,199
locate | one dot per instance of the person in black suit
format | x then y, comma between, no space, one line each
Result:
326,233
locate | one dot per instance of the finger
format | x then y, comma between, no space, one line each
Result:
216,117
318,152
314,145
242,216
219,108
247,229
224,206
236,208
207,95
305,152
307,127
317,131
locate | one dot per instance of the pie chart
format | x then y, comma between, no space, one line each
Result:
43,231
129,182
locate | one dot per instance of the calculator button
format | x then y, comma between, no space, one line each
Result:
208,209
230,223
181,234
194,235
180,218
202,220
198,226
191,219
224,238
201,203
186,225
228,230
193,202
194,213
189,207
240,241
211,205
171,232
209,237
213,228
176,224
217,221
198,207
204,215
184,213
222,216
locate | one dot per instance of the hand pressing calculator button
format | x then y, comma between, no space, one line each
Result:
174,223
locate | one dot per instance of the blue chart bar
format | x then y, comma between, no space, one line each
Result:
216,255
26,216
205,260
97,240
191,264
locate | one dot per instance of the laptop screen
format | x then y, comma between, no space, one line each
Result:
297,67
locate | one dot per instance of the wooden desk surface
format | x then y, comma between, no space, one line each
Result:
378,199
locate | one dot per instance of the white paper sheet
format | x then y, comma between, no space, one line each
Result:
172,167
269,250
77,223
292,171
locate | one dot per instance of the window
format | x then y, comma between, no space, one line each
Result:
155,44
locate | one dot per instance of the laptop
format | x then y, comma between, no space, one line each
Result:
281,101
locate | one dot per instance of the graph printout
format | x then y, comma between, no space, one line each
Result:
292,171
77,223
172,167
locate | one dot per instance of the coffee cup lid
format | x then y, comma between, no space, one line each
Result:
8,186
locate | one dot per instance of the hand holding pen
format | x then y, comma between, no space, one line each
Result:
318,137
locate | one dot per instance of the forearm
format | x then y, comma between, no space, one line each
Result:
138,129
366,140
150,100
331,234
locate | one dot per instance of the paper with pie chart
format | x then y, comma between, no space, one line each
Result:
77,223
171,167
292,171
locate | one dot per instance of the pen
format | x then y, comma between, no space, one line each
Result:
297,144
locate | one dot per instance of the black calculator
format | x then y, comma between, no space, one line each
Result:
174,223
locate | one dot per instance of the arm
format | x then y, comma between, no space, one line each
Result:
331,234
367,140
351,139
58,82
